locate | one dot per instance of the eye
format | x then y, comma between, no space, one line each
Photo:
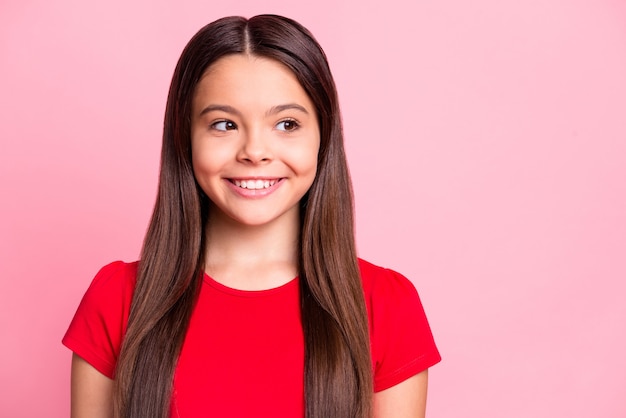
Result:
224,125
287,125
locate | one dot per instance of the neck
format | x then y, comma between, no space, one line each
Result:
252,257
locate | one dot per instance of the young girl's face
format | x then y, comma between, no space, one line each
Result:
255,140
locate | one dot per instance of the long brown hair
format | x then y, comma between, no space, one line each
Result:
338,370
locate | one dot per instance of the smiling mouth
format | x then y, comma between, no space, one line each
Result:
254,184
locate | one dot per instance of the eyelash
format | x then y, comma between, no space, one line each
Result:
230,125
294,122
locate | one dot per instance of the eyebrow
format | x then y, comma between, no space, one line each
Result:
223,108
277,109
272,111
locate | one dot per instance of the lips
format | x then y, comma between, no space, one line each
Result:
254,184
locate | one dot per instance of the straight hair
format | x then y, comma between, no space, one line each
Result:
338,371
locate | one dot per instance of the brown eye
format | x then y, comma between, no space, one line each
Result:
224,125
287,125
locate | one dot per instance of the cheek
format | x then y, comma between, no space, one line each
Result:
205,175
312,159
307,156
205,167
207,159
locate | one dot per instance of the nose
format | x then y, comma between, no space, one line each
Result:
255,148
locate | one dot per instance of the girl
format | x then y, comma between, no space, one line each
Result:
249,299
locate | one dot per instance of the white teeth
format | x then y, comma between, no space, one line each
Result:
254,184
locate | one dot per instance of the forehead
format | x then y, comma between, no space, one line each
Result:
243,79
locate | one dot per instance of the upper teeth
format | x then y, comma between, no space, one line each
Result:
254,184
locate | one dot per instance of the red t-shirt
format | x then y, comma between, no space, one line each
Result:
243,354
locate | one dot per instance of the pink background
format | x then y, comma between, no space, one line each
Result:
487,141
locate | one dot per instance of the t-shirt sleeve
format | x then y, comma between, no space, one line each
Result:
402,341
97,329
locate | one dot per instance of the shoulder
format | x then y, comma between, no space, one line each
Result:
113,282
380,281
111,291
117,274
401,339
96,331
388,294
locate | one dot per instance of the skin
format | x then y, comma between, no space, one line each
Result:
251,120
91,391
404,400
